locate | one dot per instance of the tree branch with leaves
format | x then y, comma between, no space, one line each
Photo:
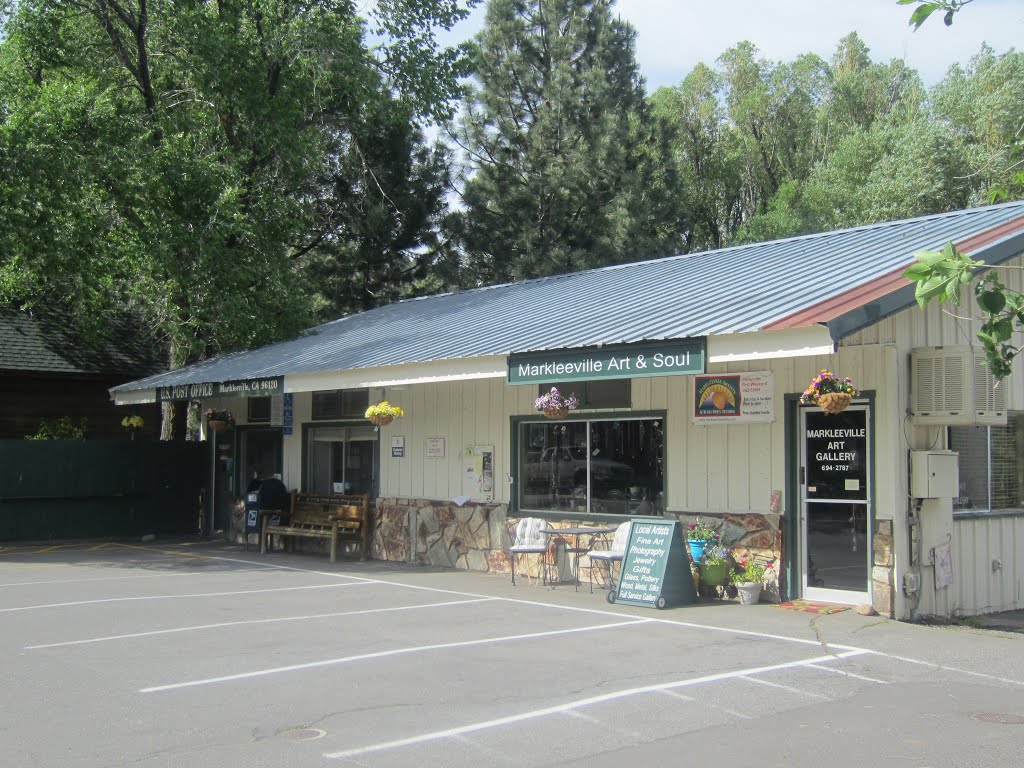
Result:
926,8
940,276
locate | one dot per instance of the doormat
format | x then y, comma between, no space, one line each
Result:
805,606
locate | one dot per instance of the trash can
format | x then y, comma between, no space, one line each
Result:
266,495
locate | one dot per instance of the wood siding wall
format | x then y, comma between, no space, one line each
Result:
714,468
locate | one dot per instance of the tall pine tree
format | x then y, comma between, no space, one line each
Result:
562,162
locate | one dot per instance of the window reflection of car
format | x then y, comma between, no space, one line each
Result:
569,466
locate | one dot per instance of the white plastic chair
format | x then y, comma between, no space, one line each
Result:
530,541
615,553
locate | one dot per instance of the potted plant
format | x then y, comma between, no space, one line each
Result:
219,418
698,535
829,392
133,424
555,405
383,413
748,578
715,564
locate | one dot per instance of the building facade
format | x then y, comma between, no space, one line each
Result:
689,406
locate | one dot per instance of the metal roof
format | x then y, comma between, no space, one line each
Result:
741,289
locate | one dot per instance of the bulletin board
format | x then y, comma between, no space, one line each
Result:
478,472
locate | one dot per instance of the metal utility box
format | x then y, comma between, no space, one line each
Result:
934,474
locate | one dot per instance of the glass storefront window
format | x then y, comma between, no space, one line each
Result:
341,460
609,466
991,465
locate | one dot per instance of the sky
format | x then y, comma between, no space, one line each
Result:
675,35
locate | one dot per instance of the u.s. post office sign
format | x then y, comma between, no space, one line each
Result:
273,385
623,361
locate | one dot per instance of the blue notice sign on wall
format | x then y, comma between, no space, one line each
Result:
287,413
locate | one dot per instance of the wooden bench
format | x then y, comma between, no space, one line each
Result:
335,518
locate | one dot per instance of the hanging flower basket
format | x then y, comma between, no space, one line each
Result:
829,392
383,413
556,406
133,424
834,402
219,419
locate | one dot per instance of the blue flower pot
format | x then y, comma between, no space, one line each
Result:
696,548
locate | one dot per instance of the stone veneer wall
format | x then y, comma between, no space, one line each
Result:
476,537
471,537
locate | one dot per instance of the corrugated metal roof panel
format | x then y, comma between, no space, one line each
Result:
729,290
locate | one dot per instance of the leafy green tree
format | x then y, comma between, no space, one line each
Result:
773,107
562,161
181,158
706,159
379,216
861,92
984,104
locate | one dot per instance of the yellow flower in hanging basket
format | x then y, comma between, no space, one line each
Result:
829,392
384,413
133,422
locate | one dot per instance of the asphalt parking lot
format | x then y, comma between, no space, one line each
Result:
200,654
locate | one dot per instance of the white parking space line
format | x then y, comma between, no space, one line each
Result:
945,668
719,707
572,705
385,654
576,609
610,613
279,620
844,673
781,687
181,597
129,578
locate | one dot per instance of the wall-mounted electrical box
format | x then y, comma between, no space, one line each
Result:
953,386
934,474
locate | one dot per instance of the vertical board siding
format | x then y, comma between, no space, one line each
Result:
977,588
710,467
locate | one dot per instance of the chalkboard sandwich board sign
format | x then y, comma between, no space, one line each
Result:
655,570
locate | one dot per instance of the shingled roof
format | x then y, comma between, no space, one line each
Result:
47,340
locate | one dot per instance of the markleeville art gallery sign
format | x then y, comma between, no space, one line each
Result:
649,358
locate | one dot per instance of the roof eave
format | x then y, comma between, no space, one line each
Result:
860,318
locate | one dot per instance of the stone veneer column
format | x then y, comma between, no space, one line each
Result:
883,572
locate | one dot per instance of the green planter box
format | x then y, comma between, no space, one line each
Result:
714,575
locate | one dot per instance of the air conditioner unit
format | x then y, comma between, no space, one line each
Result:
953,386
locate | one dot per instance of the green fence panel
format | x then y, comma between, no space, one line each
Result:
70,489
